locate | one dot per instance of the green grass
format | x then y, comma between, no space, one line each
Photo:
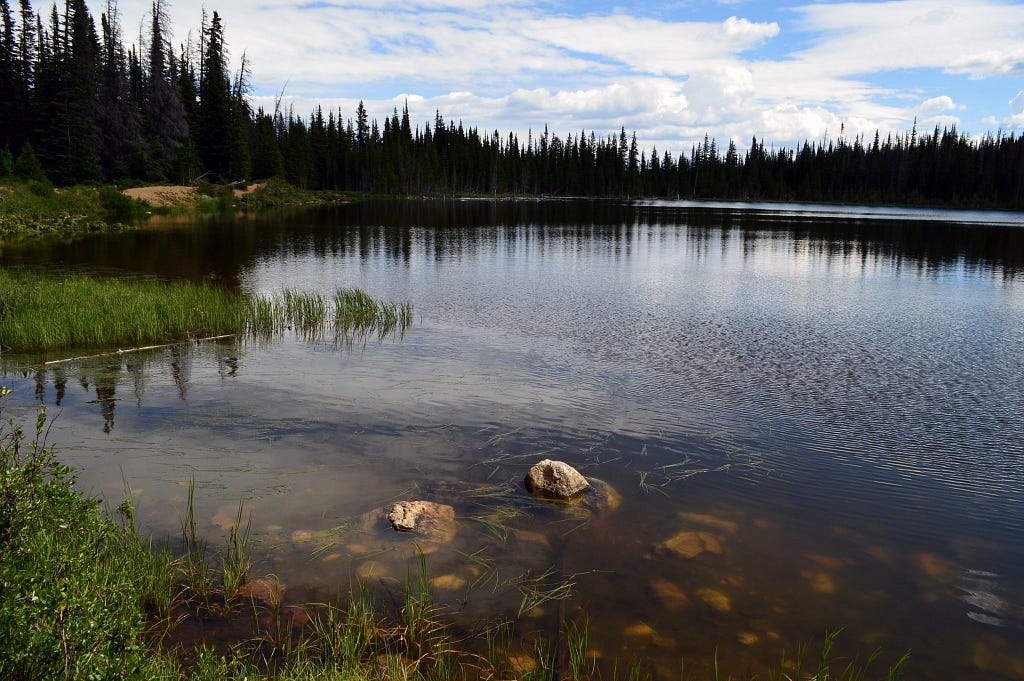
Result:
46,312
235,562
49,312
71,592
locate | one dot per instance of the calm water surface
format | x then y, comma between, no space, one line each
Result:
812,418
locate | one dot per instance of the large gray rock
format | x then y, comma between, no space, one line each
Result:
555,480
436,522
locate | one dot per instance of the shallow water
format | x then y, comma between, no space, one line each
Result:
812,416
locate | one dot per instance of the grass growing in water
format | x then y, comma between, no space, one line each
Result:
78,594
45,312
48,312
235,562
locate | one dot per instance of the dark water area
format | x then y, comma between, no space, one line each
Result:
810,417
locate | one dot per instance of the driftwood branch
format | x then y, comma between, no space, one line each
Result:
139,349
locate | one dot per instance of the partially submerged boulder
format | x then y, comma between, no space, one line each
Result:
436,522
601,499
555,480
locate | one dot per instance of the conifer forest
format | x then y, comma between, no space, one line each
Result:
81,104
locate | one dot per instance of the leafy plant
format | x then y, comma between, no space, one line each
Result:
67,607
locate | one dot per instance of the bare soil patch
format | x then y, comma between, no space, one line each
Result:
164,195
248,190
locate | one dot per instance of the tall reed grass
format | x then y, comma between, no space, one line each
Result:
45,312
48,312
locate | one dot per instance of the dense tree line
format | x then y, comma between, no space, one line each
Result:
80,106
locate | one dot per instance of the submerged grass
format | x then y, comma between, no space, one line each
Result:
84,597
42,312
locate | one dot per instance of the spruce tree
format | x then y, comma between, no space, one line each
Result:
167,128
122,152
188,165
8,76
27,166
215,134
242,124
66,97
267,161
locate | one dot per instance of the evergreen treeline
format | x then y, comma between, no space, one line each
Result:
79,106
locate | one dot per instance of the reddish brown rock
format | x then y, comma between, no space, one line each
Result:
267,590
436,522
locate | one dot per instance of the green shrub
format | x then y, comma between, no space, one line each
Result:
41,188
117,205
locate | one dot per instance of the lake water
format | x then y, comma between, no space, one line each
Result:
812,417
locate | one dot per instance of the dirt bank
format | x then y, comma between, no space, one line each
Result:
175,194
164,195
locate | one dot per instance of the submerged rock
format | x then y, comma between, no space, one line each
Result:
449,582
522,664
266,590
748,638
225,517
436,522
601,499
555,480
371,569
715,598
301,536
401,529
644,631
296,615
690,544
820,581
710,521
671,596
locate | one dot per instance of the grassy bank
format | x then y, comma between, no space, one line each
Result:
85,597
36,209
43,312
33,209
72,591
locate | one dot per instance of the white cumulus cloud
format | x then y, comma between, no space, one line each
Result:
750,68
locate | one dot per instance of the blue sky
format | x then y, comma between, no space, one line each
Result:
671,71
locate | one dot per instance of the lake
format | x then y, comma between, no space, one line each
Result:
810,418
